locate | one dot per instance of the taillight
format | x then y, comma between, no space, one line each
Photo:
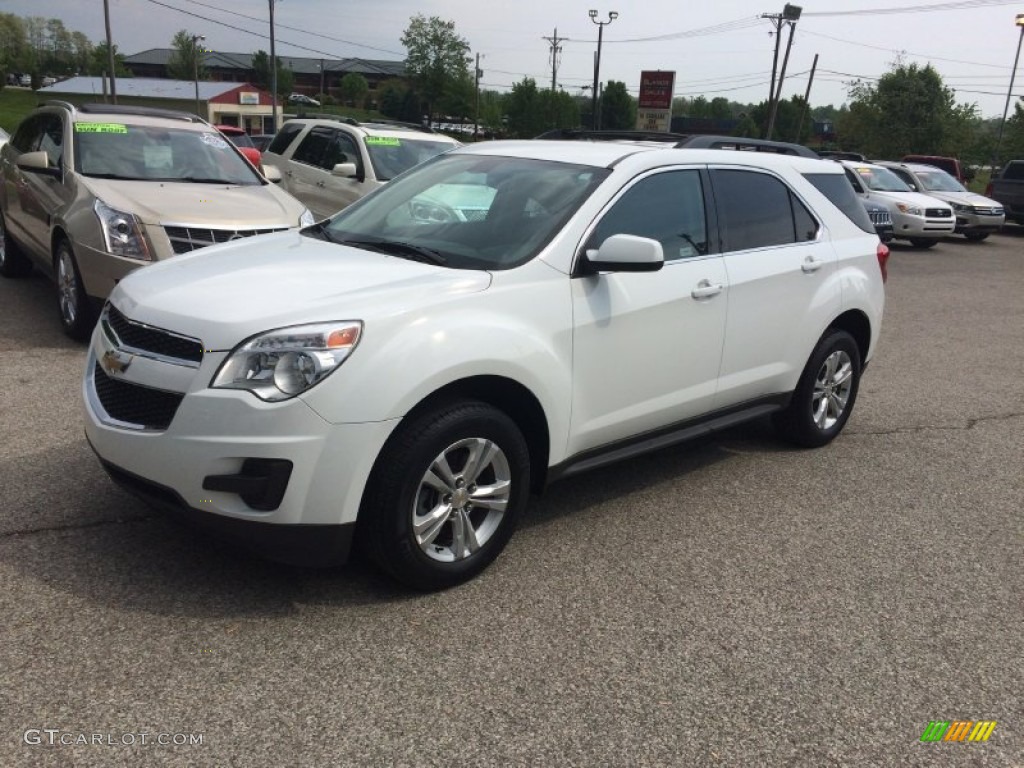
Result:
883,260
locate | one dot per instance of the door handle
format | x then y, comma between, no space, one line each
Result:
705,290
811,264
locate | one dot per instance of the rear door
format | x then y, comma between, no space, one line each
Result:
780,266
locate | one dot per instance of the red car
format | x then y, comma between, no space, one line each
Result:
241,139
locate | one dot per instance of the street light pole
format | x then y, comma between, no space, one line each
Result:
195,67
612,16
273,71
1019,21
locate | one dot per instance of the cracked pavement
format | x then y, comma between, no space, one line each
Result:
734,602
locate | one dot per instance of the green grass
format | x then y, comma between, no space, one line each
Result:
15,104
979,182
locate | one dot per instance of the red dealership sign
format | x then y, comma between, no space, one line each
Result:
656,89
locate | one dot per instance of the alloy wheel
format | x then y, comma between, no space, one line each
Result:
832,388
461,499
67,285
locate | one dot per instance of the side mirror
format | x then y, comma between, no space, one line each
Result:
37,162
623,253
345,170
272,174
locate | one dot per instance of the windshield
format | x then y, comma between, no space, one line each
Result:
391,155
150,153
468,211
881,179
939,181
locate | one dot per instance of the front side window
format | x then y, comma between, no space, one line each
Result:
158,153
667,207
757,210
313,148
341,149
52,139
26,138
467,211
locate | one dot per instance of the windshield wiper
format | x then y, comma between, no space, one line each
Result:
117,176
194,180
397,248
319,230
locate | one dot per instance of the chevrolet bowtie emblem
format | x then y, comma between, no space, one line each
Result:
115,362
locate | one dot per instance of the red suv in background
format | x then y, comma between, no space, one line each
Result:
950,165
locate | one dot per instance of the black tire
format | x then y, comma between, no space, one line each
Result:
74,307
397,492
976,237
923,242
13,263
804,421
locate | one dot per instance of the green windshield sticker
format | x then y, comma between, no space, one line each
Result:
100,128
384,141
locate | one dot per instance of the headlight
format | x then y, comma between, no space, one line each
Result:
281,364
122,233
963,208
306,219
910,209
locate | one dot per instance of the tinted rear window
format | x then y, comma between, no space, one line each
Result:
836,187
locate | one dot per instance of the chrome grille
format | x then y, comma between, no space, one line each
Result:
185,239
988,211
143,406
145,338
880,217
938,213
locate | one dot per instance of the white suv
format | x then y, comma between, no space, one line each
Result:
503,315
330,163
919,218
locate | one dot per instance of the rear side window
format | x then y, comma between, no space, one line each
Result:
757,210
284,138
313,148
842,195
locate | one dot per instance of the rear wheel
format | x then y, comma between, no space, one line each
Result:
976,237
923,242
825,394
445,495
77,315
13,263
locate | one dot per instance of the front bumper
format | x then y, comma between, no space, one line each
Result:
907,226
977,222
220,455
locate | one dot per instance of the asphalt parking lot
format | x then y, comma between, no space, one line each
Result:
732,603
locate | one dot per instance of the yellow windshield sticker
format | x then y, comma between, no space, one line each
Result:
100,128
384,141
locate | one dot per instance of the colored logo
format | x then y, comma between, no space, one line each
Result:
958,730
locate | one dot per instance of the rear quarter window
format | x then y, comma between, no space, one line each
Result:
837,188
284,138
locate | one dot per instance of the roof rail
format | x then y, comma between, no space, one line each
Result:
123,109
683,140
323,116
57,103
383,123
580,134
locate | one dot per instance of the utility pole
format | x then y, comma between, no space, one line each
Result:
807,101
110,53
790,14
476,103
612,16
556,50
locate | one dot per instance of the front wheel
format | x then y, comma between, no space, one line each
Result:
825,394
445,495
76,311
976,237
923,242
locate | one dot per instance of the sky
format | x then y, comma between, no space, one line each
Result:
720,48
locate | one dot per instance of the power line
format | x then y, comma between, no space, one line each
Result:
954,6
898,51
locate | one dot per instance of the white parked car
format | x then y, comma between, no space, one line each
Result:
503,315
329,164
919,218
977,216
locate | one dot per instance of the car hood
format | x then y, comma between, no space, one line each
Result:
222,206
225,294
908,198
966,198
